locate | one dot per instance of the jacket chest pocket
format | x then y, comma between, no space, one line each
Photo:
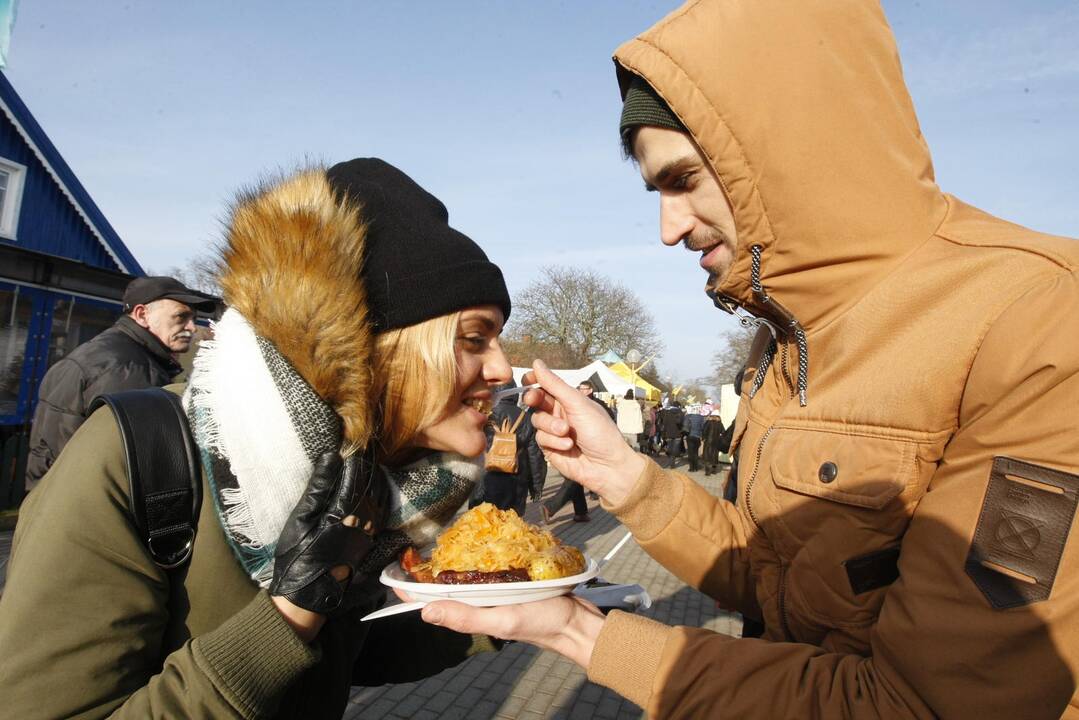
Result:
853,470
835,498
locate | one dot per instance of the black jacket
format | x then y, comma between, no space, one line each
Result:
531,466
125,357
670,422
714,433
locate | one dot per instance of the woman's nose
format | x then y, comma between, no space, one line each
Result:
496,369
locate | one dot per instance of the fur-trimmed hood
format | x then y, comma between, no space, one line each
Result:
291,265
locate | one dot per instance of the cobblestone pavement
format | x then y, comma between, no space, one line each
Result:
522,681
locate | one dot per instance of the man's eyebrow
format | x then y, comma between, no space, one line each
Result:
672,167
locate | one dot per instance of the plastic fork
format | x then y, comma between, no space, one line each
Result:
495,397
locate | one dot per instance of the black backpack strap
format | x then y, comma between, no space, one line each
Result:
162,469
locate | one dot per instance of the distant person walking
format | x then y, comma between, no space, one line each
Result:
693,426
138,351
629,418
572,491
505,490
670,429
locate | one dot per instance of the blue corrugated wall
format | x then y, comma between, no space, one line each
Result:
47,221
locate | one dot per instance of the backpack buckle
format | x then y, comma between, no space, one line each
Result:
172,548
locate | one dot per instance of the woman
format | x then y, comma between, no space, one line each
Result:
629,418
333,411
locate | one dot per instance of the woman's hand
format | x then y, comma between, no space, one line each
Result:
305,623
321,546
567,625
580,439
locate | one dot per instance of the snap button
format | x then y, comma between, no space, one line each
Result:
827,472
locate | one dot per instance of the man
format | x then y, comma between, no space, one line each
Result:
586,388
138,351
670,427
693,427
571,490
905,525
510,491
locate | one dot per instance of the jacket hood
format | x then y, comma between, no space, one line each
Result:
802,111
291,266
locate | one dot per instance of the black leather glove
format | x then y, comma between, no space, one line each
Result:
314,540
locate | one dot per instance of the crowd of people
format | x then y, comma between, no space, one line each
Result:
896,531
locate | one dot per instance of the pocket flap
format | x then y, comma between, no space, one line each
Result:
850,469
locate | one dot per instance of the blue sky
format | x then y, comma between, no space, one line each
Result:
505,110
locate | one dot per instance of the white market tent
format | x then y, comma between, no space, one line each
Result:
611,382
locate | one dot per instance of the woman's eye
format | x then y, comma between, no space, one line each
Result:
681,182
474,341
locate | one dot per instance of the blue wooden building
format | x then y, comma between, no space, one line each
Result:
63,270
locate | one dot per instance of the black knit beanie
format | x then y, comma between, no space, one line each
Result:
417,267
644,106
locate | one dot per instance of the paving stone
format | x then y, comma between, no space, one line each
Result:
410,705
512,706
539,702
441,701
591,692
456,712
582,711
397,692
484,709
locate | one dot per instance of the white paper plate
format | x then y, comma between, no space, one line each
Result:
491,594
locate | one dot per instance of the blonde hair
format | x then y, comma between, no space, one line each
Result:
415,380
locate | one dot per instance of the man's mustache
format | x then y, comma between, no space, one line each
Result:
708,239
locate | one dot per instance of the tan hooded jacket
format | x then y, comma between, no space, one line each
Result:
907,476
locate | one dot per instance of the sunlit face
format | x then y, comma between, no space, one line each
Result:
692,207
481,364
171,322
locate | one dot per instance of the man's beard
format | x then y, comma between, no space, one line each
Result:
709,238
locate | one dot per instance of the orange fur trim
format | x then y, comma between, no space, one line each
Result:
292,269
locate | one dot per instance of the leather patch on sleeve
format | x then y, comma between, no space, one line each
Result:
875,570
1024,523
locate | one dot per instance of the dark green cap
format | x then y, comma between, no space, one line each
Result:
644,106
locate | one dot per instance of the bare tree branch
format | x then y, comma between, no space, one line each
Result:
729,360
576,315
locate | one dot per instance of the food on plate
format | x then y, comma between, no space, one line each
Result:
488,545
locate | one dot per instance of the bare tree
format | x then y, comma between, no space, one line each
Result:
729,359
583,315
200,273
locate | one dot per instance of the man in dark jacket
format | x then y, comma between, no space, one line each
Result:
137,351
511,490
670,428
693,426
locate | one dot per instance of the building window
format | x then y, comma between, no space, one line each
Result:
12,175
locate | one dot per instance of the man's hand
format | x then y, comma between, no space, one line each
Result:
580,439
567,625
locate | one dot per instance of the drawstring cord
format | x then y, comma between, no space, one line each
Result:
770,352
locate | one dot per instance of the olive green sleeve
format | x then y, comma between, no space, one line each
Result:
84,611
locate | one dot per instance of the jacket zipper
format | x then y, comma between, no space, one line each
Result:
753,477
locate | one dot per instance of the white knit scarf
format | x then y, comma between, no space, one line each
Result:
260,427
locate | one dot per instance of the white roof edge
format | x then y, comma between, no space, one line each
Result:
59,183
